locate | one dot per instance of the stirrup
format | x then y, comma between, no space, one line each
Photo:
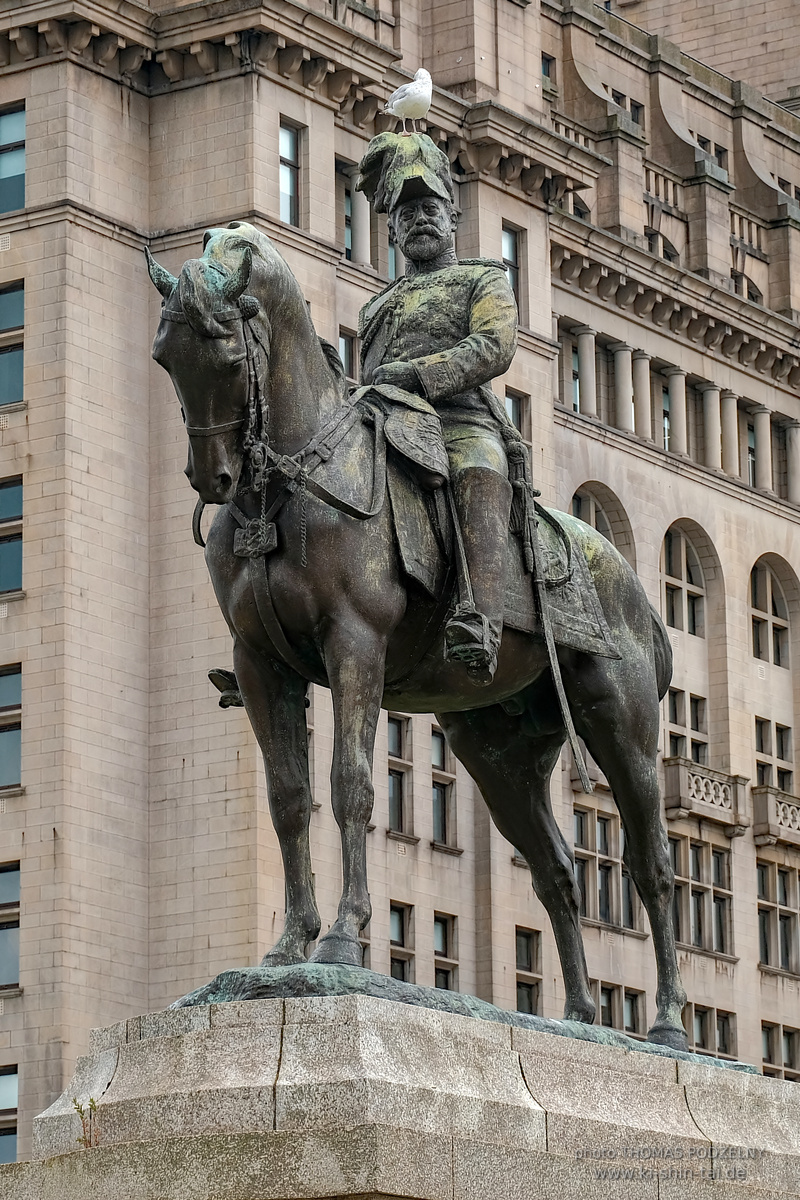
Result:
225,682
469,640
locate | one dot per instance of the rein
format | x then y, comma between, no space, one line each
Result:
296,469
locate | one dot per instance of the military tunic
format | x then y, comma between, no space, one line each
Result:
458,327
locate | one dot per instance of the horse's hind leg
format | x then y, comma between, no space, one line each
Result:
512,770
616,711
274,697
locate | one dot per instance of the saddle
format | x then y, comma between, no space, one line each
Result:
417,467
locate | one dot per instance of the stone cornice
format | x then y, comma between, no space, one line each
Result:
716,320
676,464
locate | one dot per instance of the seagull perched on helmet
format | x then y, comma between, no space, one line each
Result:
412,100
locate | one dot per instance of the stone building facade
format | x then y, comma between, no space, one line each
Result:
647,210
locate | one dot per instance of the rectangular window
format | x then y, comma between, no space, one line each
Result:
579,827
511,258
764,774
665,425
12,304
396,797
701,1028
783,887
628,901
763,936
549,67
399,938
347,353
767,1043
677,906
637,113
783,743
673,607
11,563
676,706
631,1013
525,959
762,878
348,223
289,147
604,892
697,918
786,940
607,1007
444,948
527,997
576,381
438,750
517,408
763,736
751,463
724,1038
12,307
784,780
396,732
697,707
9,925
11,500
12,160
580,879
9,1103
721,924
677,746
440,812
603,835
694,614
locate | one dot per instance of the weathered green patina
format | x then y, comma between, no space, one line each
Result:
307,568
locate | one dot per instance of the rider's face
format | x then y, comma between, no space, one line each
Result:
424,228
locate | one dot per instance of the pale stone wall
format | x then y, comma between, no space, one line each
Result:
148,858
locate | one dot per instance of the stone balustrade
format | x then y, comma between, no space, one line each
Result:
776,817
691,789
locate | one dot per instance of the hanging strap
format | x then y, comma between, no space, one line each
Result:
552,655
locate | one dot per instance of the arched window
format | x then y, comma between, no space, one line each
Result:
586,508
769,617
598,506
684,584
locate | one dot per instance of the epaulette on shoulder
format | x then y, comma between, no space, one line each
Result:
482,262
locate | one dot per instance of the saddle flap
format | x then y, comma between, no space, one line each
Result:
418,437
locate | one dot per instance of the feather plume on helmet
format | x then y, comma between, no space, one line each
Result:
399,167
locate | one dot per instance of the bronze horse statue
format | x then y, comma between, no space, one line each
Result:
312,589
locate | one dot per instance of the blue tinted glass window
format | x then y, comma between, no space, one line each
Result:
9,884
11,375
8,1146
9,1089
12,305
10,697
12,127
10,755
12,160
9,954
11,500
11,563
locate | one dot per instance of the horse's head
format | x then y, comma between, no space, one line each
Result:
213,339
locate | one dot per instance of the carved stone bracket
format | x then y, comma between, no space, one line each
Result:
172,64
106,48
26,39
207,56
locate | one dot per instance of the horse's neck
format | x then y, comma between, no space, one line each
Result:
304,395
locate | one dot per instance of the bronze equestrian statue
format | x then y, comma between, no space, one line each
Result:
362,542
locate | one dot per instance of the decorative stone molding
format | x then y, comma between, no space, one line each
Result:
577,267
776,817
694,790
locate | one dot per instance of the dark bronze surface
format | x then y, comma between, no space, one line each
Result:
263,399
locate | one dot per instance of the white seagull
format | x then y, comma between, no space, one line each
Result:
412,100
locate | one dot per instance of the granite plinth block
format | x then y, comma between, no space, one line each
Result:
305,1098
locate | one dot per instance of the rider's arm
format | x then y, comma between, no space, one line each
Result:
488,349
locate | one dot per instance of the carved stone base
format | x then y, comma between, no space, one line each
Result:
333,1096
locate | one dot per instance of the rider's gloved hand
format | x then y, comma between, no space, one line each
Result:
399,374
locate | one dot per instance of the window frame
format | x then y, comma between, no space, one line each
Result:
10,147
294,168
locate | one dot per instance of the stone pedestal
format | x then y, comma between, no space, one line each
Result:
349,1095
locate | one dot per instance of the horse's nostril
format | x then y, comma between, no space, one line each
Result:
223,483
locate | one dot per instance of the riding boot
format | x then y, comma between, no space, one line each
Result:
226,683
472,635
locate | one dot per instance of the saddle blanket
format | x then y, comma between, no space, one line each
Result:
575,612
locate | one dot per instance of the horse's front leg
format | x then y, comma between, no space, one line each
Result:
354,660
274,696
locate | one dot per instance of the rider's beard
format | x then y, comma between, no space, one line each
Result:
422,245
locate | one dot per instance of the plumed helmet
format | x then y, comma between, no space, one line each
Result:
398,167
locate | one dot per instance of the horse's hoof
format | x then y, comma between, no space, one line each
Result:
280,958
668,1035
584,1015
333,948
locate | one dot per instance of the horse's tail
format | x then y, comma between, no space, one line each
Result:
662,651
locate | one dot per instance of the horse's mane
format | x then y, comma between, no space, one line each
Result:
335,363
239,236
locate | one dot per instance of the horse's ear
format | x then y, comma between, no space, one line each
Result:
237,281
164,281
